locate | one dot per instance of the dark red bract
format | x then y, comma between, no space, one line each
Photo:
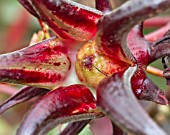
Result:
113,60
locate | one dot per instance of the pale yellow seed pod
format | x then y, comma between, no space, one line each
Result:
92,65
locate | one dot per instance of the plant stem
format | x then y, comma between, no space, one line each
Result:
153,36
6,89
157,21
154,71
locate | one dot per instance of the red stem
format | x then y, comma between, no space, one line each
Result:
157,21
153,36
6,89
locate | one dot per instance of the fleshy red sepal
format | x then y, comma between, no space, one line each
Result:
22,95
45,64
61,105
68,19
115,98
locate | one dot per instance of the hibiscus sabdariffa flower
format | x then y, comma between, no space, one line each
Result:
107,51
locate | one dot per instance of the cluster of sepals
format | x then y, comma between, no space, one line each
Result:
113,61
